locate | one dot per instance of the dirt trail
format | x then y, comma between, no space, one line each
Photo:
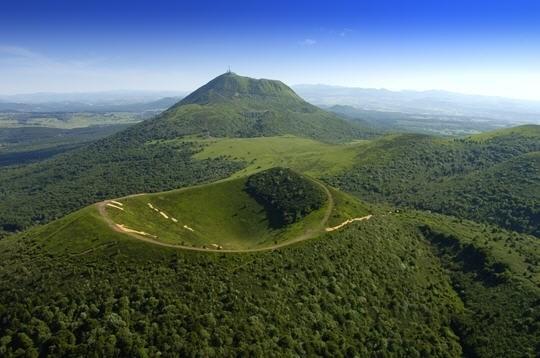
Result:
347,222
309,234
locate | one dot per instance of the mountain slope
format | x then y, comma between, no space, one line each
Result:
138,159
236,106
230,86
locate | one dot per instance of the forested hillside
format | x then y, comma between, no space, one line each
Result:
507,194
75,287
497,276
491,178
110,167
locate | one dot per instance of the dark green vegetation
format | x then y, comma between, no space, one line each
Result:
492,177
111,167
397,283
407,284
497,276
23,145
371,288
414,170
286,195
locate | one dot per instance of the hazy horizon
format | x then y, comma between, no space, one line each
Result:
481,48
182,92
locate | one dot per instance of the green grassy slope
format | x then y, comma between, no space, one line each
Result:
220,215
305,155
405,283
110,167
409,170
527,131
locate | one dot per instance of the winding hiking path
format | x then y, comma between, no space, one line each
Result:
309,234
347,222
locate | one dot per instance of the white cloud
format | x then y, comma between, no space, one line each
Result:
308,42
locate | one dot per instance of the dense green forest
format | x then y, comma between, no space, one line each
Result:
355,292
492,178
286,195
497,276
376,288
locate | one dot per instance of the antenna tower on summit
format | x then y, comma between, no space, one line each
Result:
229,69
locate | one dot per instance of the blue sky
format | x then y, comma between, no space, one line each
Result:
483,47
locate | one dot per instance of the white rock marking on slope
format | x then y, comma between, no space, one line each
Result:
114,206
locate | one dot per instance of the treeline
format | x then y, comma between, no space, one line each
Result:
286,195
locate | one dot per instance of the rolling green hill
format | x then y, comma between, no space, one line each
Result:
408,283
507,194
222,216
209,249
491,178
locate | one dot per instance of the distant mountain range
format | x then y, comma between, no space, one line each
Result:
111,97
426,103
423,102
110,101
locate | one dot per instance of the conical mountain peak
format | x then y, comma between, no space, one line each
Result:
230,86
236,106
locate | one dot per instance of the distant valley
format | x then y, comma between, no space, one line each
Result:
437,112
